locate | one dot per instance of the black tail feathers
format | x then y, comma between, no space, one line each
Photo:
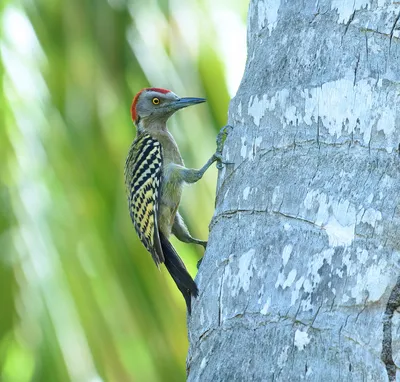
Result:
178,271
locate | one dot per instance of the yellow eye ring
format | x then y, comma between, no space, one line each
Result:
156,101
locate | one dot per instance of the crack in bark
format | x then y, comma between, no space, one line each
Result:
368,30
316,314
220,297
348,23
318,131
297,218
232,323
262,152
355,71
387,350
230,213
362,310
392,30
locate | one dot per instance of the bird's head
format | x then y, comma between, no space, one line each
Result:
153,106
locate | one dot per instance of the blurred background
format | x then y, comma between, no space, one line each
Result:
80,299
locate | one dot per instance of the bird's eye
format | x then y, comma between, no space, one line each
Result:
156,101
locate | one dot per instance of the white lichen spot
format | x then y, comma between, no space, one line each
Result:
265,308
242,279
345,8
246,269
296,291
308,286
309,199
256,108
317,262
287,227
276,194
239,109
227,155
253,228
203,363
337,218
306,304
352,267
301,339
373,283
339,235
290,279
280,280
287,250
246,193
243,150
291,115
310,279
341,105
371,216
362,255
202,320
268,14
226,193
387,124
283,357
387,121
262,14
261,294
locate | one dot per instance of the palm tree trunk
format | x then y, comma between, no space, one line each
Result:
301,275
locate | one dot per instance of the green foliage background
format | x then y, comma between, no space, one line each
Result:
80,298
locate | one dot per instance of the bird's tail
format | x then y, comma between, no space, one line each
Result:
178,271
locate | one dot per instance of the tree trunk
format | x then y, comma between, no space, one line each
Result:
301,275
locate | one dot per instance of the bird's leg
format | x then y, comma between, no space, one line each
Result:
191,175
181,232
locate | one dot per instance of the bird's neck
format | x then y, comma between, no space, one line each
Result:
171,152
158,130
152,126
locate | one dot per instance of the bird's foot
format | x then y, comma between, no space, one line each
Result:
221,138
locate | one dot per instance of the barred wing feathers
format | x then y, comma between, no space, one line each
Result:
144,187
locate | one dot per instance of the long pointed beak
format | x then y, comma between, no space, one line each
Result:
187,101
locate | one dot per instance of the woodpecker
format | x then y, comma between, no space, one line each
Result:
154,177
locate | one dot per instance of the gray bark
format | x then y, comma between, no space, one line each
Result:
300,280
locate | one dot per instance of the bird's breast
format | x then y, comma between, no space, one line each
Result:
171,192
171,183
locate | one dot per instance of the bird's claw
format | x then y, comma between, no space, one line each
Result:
220,162
218,158
221,137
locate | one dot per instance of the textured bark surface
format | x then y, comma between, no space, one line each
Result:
301,276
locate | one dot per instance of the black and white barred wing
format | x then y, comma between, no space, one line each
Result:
144,193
